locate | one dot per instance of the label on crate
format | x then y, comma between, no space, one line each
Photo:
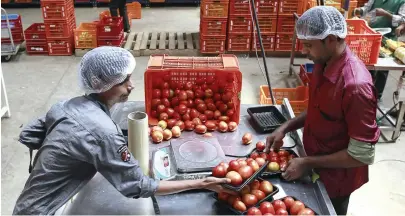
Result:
107,29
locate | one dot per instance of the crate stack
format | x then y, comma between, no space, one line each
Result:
110,31
15,27
35,36
267,11
286,23
240,26
60,22
213,23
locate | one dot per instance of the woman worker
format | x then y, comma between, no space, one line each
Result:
77,138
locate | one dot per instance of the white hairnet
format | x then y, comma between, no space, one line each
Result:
104,67
319,22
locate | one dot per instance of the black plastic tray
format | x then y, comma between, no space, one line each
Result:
247,181
267,198
265,173
301,201
266,118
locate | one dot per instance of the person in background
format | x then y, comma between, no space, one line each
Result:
77,138
120,5
340,127
383,14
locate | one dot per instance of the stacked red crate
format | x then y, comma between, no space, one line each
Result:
110,31
60,22
15,27
35,36
239,26
213,22
267,11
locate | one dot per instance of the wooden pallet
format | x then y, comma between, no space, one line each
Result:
171,43
82,52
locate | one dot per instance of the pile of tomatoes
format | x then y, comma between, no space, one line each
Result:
249,196
286,206
278,160
238,170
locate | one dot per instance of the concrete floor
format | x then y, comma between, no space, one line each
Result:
34,83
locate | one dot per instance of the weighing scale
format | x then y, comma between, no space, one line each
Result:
187,158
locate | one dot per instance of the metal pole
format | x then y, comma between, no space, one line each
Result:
253,8
9,29
290,71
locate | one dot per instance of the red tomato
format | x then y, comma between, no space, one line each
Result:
219,171
267,207
175,101
260,146
233,165
281,212
239,205
165,93
194,113
254,211
199,93
155,102
283,153
297,207
283,165
208,93
188,86
235,178
166,102
208,100
170,112
230,113
249,200
223,108
255,185
156,93
279,204
160,108
283,158
306,211
203,118
210,80
223,196
211,107
209,114
201,107
273,154
232,199
190,94
266,187
258,194
275,159
231,105
217,97
227,97
254,155
260,161
182,109
245,172
288,201
263,155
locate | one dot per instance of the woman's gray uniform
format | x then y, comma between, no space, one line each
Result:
78,139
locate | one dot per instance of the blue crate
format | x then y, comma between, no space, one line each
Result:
10,17
309,67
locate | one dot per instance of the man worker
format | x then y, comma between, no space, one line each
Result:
78,138
384,14
340,129
120,5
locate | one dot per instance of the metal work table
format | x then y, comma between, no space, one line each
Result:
100,197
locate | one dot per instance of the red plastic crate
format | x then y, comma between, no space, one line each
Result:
363,41
265,7
36,48
18,36
284,41
268,40
14,21
304,75
292,6
111,42
60,47
223,71
214,8
285,23
240,24
110,27
239,42
35,33
213,26
59,29
267,23
239,7
57,10
212,44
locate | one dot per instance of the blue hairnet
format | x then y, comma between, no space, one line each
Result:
104,67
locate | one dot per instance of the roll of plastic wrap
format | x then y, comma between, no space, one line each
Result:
138,139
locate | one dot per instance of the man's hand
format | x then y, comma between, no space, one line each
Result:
382,12
295,169
275,140
400,30
214,184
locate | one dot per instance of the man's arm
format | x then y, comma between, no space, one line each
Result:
340,159
294,124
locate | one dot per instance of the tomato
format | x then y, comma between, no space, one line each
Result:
210,80
165,85
217,97
273,154
199,93
188,86
227,97
296,207
190,103
204,86
230,113
189,125
190,94
288,201
222,107
255,185
306,211
203,118
217,114
260,161
239,205
161,108
232,199
166,102
182,109
260,146
266,187
175,101
182,95
279,204
264,156
283,153
275,159
210,126
283,165
254,211
157,83
155,102
197,121
211,106
209,114
176,116
165,93
195,87
208,93
245,172
231,105
166,78
283,158
170,112
224,165
249,200
198,101
233,165
258,194
254,155
194,114
200,81
219,171
223,196
163,116
156,93
201,107
266,207
281,211
235,178
252,163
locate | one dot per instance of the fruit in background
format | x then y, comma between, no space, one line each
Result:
157,136
260,161
258,194
156,93
162,124
232,126
210,126
203,118
219,171
255,185
235,178
254,211
182,109
209,114
181,125
155,102
224,118
281,212
283,158
233,165
273,166
249,160
171,123
267,207
197,121
273,154
297,207
201,107
186,117
217,114
190,94
254,155
165,93
242,162
245,190
239,205
278,204
306,211
254,165
188,86
246,172
260,146
249,200
156,128
264,156
166,102
275,159
232,199
211,107
170,112
189,125
167,134
288,201
284,153
200,129
182,95
222,126
230,113
247,138
225,165
176,131
209,93
223,196
266,187
161,108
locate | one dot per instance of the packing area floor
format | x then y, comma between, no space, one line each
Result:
34,83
